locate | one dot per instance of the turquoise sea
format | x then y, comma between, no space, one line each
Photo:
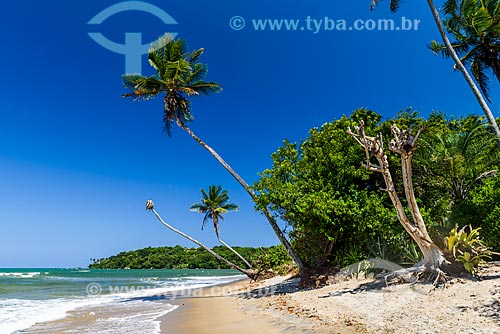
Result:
87,301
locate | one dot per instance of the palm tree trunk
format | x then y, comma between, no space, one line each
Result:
235,252
279,233
467,76
249,273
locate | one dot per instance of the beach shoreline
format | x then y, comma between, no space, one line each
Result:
278,306
353,306
239,307
59,301
216,309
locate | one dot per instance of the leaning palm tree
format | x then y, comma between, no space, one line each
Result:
150,206
476,29
394,6
213,204
180,75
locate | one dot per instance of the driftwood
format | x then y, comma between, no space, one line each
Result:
403,144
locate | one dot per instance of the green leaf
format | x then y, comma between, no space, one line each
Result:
481,20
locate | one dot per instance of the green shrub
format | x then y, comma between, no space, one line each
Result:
467,248
274,259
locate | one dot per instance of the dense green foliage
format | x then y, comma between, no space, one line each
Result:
336,212
484,210
275,259
334,208
456,169
187,258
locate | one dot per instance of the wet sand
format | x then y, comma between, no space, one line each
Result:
468,306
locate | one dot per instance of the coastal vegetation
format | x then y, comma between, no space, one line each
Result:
150,206
180,75
178,257
409,203
340,213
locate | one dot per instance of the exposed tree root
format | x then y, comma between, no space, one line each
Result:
415,274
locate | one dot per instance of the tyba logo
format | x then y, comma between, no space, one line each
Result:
133,49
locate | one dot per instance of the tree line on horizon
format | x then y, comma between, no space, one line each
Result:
422,198
179,257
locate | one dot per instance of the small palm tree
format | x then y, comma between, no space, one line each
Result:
458,160
213,205
476,29
150,206
179,75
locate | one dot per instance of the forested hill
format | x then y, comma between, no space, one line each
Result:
177,258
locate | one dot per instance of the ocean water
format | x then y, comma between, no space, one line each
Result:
95,301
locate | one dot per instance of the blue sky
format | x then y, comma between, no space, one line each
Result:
78,162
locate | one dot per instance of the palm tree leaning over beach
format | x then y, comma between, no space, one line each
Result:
394,6
180,75
150,206
213,204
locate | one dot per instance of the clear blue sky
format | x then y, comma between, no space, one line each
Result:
78,162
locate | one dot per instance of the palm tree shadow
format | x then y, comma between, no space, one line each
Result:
378,284
489,277
491,310
292,286
284,288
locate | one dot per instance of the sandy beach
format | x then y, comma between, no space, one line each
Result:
352,306
278,306
237,308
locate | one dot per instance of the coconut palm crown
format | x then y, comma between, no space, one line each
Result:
475,25
213,205
179,75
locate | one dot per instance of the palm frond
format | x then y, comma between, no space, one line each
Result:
231,207
471,55
198,73
374,4
205,88
178,71
478,71
481,20
198,207
205,218
439,49
394,5
454,25
142,87
450,7
193,56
